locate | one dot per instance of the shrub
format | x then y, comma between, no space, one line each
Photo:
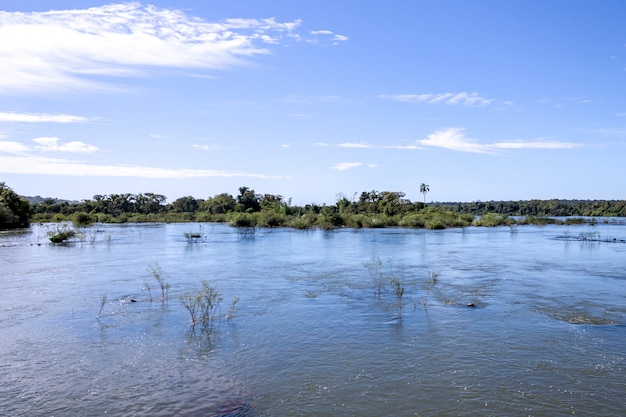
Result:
243,220
62,234
493,219
156,272
81,219
413,220
306,221
204,304
271,219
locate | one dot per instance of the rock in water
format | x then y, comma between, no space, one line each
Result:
234,409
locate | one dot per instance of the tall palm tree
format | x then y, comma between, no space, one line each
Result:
424,188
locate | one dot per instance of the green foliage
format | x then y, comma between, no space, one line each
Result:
82,219
271,219
14,210
62,234
493,219
368,210
243,220
204,304
305,221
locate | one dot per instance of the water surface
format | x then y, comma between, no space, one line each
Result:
310,336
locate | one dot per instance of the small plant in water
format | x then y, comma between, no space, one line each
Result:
204,304
158,275
149,288
103,301
62,234
376,272
231,310
431,281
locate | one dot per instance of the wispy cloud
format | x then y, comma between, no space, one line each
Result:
41,118
539,144
359,145
48,144
619,132
335,38
76,49
343,166
363,145
456,140
564,102
37,165
462,98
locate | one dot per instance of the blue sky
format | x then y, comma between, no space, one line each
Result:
481,100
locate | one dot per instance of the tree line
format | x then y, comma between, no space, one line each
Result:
250,209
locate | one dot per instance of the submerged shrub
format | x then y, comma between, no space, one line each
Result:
156,272
81,219
493,219
204,304
62,234
271,219
306,221
243,220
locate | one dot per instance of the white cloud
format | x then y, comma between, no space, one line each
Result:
342,166
359,145
334,37
454,139
462,98
73,49
534,145
559,103
48,144
403,147
51,144
35,165
607,131
41,118
12,147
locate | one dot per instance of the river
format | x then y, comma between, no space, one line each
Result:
521,321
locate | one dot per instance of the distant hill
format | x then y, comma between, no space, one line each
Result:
39,199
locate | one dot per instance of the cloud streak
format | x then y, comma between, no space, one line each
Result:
463,98
41,118
76,49
455,139
344,166
48,144
36,165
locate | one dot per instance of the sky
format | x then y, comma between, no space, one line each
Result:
314,100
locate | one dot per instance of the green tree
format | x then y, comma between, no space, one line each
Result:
248,200
14,210
220,204
424,189
186,204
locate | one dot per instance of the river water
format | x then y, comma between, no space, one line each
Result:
311,335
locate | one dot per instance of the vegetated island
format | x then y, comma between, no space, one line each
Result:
372,209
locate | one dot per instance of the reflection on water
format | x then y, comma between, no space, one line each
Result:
311,335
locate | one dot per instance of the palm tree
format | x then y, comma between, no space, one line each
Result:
424,188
